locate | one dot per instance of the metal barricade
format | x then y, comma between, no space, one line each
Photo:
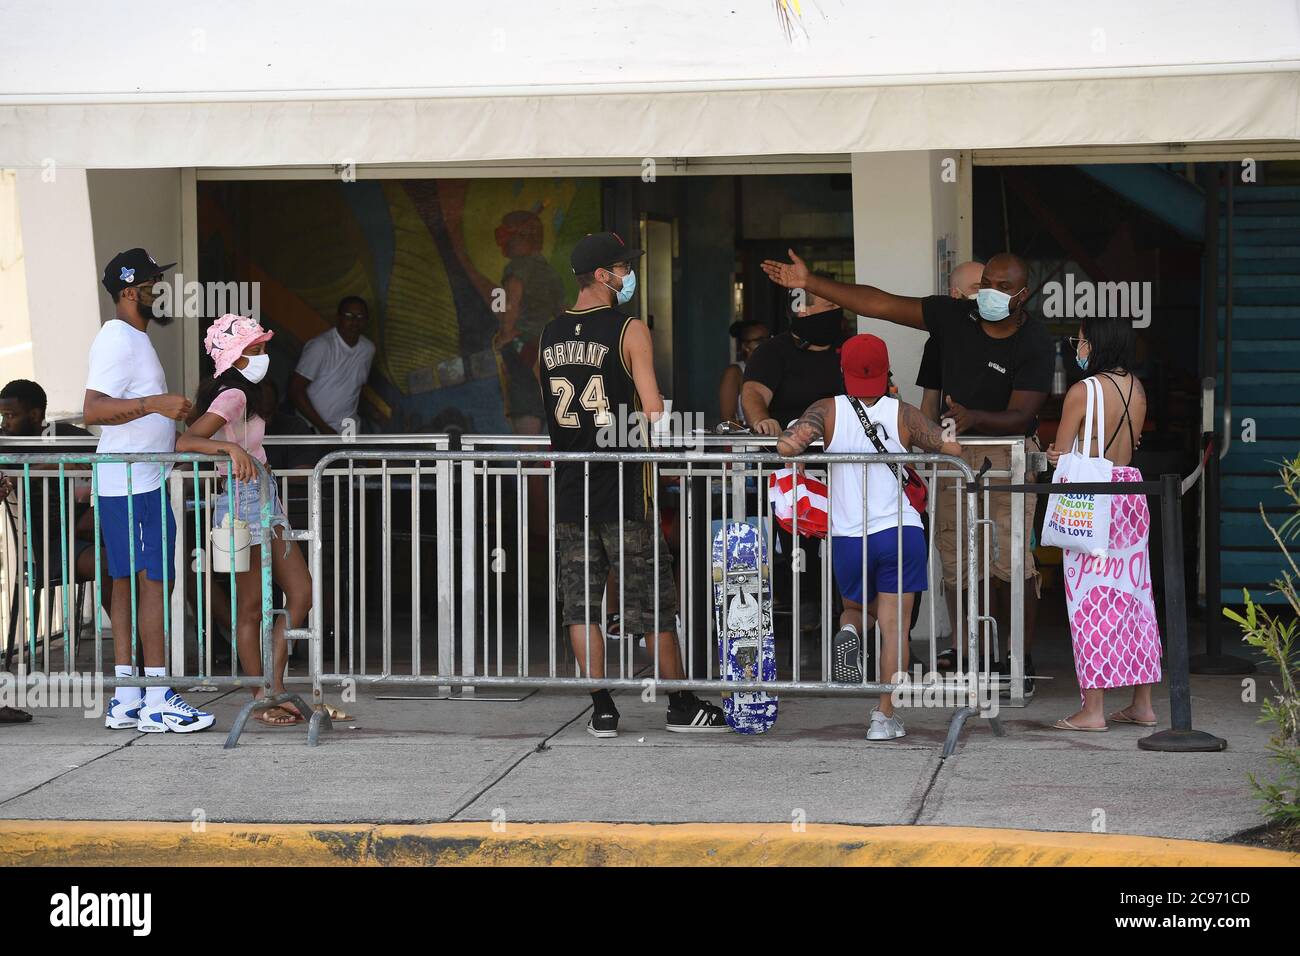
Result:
489,587
188,487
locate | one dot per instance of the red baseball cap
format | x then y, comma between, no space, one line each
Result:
864,359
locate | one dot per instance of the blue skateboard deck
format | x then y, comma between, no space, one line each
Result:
743,622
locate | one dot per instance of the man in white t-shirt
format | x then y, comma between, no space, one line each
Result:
326,385
126,394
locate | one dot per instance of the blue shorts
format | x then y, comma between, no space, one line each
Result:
145,538
882,563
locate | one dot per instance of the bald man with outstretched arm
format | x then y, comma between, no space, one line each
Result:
996,364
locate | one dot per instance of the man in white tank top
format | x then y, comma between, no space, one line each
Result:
873,532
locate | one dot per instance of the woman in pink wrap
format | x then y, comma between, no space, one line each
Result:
1112,615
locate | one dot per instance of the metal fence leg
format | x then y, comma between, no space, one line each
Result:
446,562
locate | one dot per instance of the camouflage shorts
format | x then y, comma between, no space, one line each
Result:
582,581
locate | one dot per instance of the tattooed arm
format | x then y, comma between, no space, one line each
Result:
818,422
101,409
922,432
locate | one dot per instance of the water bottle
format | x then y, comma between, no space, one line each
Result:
1058,374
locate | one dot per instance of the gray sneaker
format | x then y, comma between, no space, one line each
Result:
885,728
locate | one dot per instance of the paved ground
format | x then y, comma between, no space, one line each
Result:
528,759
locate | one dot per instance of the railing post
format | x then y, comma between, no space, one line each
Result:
446,564
1180,738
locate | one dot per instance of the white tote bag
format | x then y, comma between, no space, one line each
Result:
1078,522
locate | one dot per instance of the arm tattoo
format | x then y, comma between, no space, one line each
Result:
921,431
808,429
127,416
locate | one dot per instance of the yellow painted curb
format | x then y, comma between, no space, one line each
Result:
89,843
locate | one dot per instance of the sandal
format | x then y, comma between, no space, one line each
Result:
946,662
1122,717
276,716
1064,724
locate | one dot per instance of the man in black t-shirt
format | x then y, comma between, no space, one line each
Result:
963,283
996,363
784,377
795,369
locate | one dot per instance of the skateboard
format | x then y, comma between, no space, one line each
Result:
743,621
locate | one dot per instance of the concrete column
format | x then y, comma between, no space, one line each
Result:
141,207
51,342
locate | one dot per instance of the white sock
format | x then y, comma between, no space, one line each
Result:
125,692
850,627
155,695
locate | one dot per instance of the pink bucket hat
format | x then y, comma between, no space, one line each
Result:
229,336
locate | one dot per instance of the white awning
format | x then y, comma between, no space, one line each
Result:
243,83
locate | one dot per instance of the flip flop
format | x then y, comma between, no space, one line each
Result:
262,718
1064,724
1120,717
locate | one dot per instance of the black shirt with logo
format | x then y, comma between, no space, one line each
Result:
979,371
797,376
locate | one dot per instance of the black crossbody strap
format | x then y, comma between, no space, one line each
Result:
869,427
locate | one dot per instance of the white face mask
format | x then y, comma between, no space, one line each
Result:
256,367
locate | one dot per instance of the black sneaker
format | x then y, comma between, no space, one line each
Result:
603,724
1004,669
846,657
694,716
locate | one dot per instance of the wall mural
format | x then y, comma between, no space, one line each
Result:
460,275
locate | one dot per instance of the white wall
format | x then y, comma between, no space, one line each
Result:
60,279
140,207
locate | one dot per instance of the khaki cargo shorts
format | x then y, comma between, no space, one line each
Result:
1000,503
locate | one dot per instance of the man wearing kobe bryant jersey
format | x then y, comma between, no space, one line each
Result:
595,363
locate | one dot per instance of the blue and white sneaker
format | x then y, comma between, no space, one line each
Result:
175,715
120,716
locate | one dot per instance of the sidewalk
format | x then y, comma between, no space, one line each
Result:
527,758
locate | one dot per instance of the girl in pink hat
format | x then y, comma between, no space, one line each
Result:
226,420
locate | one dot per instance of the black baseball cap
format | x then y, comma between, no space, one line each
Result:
133,267
600,250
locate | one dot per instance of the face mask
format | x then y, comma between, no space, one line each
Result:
994,306
256,368
823,328
624,294
1081,361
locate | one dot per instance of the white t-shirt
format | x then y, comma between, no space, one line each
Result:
123,364
882,486
336,373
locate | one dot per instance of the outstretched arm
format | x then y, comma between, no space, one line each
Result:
814,424
863,299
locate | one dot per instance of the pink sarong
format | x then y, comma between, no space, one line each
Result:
1112,614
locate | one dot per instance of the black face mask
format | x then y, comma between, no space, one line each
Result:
820,328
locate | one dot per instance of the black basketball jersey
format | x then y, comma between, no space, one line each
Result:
590,404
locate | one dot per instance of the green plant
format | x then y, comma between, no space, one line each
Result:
1275,635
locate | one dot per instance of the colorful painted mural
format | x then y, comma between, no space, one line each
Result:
460,275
